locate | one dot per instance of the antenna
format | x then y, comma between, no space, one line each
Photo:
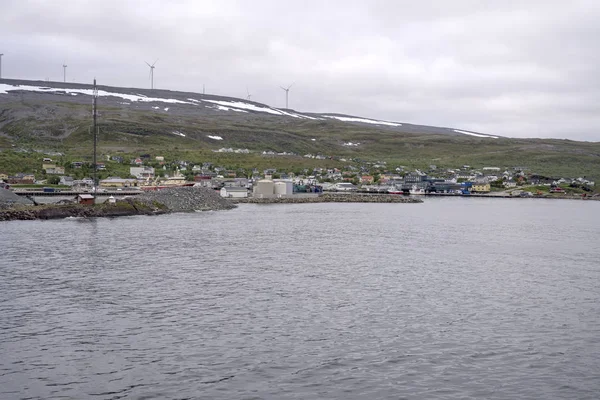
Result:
151,73
95,103
287,92
249,95
1,54
64,72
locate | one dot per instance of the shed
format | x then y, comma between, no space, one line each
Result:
87,199
235,192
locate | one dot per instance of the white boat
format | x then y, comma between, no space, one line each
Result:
415,190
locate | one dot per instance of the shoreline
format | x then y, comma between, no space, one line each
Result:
361,197
60,211
132,207
330,198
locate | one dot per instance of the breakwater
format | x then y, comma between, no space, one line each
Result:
57,211
184,199
332,198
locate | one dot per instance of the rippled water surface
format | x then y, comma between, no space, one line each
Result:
453,298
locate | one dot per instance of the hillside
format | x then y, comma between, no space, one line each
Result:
54,116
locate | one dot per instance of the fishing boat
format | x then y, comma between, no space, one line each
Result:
415,190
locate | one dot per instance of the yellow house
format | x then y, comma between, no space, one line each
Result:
174,181
56,171
3,177
117,182
480,188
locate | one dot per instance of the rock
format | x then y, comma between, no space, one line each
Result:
53,211
189,198
335,198
9,199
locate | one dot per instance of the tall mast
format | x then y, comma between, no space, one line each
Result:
95,139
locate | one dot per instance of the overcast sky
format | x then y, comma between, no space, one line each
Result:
524,68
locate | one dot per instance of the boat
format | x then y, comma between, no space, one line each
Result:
415,190
395,190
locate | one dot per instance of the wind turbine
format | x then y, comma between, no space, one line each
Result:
64,72
287,92
151,73
249,95
1,54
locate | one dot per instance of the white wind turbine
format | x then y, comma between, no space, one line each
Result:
249,95
151,73
287,92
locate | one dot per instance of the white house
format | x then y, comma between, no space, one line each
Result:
66,180
235,192
142,172
345,187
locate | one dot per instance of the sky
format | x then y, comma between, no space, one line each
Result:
513,68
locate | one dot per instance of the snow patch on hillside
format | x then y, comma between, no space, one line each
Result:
244,106
215,137
178,133
223,108
5,88
475,134
295,115
363,120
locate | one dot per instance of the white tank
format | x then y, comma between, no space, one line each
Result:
289,187
264,187
280,188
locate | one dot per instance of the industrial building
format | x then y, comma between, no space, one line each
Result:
234,192
266,188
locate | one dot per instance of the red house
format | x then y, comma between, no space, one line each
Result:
86,199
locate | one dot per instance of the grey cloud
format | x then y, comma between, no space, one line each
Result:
514,68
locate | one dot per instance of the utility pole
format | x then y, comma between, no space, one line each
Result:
1,54
95,130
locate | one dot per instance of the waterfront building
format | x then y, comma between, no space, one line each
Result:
234,192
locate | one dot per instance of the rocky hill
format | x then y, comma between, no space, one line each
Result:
57,116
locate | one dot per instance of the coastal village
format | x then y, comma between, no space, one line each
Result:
154,172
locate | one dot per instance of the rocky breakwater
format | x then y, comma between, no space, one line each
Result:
124,207
334,198
184,199
151,203
8,200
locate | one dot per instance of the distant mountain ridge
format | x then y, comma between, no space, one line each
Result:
172,99
57,117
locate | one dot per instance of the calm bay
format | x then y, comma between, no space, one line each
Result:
452,298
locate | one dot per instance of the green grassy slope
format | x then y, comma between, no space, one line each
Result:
53,123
